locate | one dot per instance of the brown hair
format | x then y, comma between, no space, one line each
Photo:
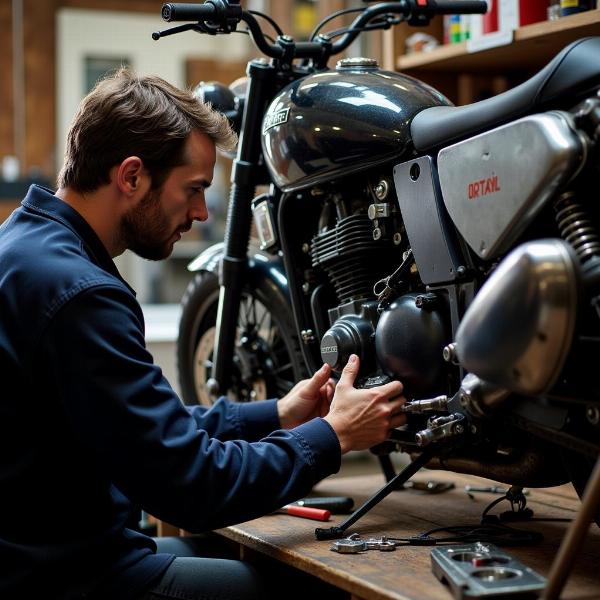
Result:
126,115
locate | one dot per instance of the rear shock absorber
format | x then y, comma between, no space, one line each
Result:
576,227
580,232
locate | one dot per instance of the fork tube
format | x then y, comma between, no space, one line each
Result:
239,220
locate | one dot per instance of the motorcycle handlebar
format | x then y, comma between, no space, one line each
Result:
222,16
463,7
176,11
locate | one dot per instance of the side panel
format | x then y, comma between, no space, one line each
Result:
426,221
495,183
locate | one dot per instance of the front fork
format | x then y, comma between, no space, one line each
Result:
234,263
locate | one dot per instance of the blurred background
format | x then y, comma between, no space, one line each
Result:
52,52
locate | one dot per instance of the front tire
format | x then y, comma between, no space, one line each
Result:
267,359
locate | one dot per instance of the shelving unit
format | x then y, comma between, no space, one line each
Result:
533,46
466,77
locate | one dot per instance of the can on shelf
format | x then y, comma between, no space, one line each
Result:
490,18
570,7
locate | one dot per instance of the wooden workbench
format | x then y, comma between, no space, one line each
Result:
406,573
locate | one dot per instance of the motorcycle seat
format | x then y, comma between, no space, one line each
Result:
576,68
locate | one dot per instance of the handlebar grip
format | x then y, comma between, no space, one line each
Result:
460,7
176,11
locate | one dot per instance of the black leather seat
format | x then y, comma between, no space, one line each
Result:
575,69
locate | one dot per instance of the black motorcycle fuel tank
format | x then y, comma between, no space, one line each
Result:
336,122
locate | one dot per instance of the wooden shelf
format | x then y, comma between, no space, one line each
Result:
532,47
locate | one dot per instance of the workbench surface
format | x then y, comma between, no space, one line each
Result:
406,573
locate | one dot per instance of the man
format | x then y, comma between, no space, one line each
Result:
88,425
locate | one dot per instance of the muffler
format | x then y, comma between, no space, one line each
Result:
517,332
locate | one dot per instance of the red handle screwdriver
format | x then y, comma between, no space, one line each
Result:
318,514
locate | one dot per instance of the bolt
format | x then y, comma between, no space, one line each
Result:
382,189
287,38
306,287
461,272
593,415
459,429
473,429
377,233
397,238
425,300
306,248
212,385
449,354
307,336
465,398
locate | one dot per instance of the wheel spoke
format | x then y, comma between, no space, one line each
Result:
262,319
282,368
254,311
246,311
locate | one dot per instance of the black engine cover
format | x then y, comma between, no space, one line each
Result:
409,342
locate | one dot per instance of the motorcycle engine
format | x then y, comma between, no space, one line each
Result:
358,244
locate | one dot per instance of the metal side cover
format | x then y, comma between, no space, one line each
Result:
495,183
427,225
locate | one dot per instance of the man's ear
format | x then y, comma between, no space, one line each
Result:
131,176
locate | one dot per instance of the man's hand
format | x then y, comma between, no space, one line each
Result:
308,399
363,418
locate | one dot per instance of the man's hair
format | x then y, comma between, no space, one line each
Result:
126,115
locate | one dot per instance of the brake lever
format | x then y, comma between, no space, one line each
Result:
198,27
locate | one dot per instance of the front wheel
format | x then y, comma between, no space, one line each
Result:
267,359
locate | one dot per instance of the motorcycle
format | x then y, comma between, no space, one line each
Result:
455,249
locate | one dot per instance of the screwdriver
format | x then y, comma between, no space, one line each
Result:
317,514
335,504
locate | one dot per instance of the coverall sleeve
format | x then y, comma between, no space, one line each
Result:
123,410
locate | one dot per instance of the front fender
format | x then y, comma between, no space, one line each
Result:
264,270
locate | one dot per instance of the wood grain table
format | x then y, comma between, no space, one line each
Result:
406,573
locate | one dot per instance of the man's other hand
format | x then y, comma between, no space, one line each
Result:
308,399
363,418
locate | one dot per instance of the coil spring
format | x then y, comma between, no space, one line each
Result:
576,227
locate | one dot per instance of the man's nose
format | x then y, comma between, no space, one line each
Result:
199,212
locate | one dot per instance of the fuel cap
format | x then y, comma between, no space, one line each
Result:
357,62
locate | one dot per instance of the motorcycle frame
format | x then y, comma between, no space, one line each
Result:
264,80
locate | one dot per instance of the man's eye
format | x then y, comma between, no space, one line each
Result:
197,190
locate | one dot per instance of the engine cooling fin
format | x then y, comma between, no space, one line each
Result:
346,252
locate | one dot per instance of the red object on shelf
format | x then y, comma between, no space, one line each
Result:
490,18
532,11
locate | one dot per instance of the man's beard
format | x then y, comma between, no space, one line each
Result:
145,229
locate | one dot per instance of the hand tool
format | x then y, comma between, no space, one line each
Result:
491,489
317,514
354,544
335,504
429,487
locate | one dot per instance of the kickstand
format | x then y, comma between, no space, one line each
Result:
397,482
